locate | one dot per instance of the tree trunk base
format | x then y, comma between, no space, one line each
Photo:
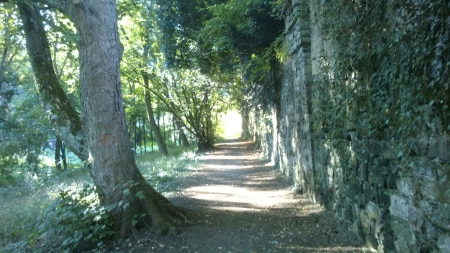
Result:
145,207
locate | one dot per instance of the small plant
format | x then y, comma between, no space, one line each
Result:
74,221
160,172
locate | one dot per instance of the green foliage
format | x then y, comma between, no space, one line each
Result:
179,22
217,36
236,31
384,75
40,217
391,67
161,172
75,220
21,205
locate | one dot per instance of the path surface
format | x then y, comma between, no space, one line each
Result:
242,205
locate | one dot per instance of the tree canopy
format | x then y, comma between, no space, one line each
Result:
98,68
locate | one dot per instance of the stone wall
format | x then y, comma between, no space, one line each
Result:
361,180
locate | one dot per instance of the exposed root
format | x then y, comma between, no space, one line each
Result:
152,209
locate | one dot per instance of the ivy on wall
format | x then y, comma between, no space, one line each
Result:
384,75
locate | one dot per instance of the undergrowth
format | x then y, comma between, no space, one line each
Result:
60,212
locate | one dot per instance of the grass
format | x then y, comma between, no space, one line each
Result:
24,203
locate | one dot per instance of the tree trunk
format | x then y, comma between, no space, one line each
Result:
113,167
63,155
151,119
245,132
64,119
121,186
58,144
184,140
132,130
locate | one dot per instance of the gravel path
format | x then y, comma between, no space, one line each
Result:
238,203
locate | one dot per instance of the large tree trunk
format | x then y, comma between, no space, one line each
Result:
64,119
113,167
151,119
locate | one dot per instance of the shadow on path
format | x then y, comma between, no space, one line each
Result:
239,203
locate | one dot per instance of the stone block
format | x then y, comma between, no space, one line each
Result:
363,171
403,246
390,153
377,177
361,153
355,228
374,211
399,206
394,167
444,148
430,189
405,186
424,168
383,198
389,133
435,190
374,147
405,238
391,180
379,161
432,144
443,215
365,222
415,219
444,243
372,242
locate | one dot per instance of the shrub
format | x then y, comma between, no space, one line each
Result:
73,222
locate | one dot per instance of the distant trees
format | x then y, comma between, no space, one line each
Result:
21,124
102,122
207,50
63,117
235,43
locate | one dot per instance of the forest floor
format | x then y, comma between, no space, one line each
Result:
239,203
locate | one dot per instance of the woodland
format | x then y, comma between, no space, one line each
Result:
88,86
106,104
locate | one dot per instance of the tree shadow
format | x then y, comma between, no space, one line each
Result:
239,203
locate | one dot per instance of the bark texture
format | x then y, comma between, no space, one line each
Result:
64,119
112,164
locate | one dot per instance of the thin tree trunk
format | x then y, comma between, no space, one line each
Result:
245,128
3,64
63,155
64,119
151,119
58,144
132,129
184,140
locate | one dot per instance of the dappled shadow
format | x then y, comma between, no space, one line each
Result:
238,203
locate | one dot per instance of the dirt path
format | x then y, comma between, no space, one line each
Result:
240,204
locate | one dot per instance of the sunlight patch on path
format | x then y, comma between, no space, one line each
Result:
228,167
233,196
222,157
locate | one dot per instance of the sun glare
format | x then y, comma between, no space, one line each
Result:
232,124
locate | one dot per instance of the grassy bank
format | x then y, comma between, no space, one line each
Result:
28,204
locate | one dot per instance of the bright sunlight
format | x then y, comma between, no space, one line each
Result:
231,124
